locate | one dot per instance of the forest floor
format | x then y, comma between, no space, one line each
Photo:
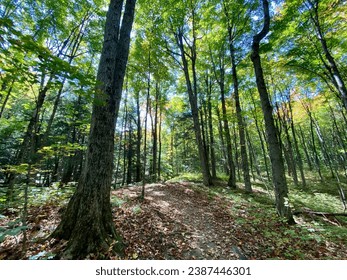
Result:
184,220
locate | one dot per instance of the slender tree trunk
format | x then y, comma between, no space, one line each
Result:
145,128
87,222
193,100
240,121
332,67
155,134
130,156
261,138
125,143
210,124
160,142
204,131
7,97
138,139
29,138
303,142
236,150
278,172
313,142
221,136
220,77
119,156
289,150
296,145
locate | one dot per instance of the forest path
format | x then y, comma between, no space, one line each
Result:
174,221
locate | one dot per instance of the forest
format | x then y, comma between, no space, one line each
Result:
178,129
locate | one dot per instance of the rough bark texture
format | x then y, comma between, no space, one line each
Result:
87,222
278,171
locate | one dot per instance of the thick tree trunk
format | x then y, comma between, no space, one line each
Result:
278,172
87,222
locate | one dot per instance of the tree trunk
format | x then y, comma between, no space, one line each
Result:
130,156
192,94
87,222
7,97
278,172
224,121
155,134
296,145
261,138
160,141
138,139
284,119
221,136
303,142
144,167
240,121
210,125
332,67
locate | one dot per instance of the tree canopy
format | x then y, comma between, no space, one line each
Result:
245,93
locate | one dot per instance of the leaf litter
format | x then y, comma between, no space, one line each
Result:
180,221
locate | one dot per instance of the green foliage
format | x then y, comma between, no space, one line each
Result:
116,201
191,177
38,196
12,228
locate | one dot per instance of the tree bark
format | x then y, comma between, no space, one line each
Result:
192,94
155,134
87,222
240,121
332,67
228,152
278,171
138,139
261,138
296,144
210,125
7,97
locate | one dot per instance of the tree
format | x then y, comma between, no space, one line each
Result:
234,31
331,65
188,56
87,222
278,171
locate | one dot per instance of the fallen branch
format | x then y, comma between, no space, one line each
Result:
324,214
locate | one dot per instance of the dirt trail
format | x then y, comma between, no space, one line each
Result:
184,222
